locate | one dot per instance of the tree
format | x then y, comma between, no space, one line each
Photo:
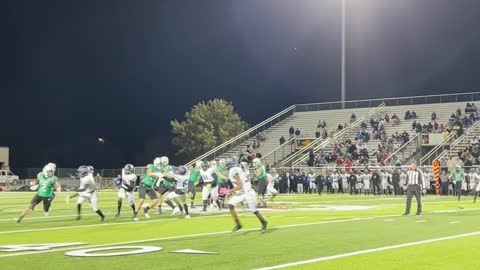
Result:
206,126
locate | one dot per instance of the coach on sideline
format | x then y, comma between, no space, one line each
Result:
414,187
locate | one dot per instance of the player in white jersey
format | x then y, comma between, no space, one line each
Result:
471,183
87,192
182,177
311,180
344,178
384,183
210,188
403,182
366,183
359,185
335,179
476,180
242,191
126,184
272,177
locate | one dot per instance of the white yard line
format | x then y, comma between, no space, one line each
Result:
366,251
183,236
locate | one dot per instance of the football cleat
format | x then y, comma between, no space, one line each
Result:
187,216
175,211
236,228
264,226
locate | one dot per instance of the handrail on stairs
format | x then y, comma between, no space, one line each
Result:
242,135
337,136
401,148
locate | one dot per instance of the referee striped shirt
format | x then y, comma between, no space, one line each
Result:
414,177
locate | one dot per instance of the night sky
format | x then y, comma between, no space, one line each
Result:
72,71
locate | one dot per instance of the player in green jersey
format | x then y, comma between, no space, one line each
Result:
46,182
458,178
193,181
261,175
147,188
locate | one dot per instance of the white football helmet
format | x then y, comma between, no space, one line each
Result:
198,164
164,161
48,170
256,162
90,169
222,162
213,163
157,162
53,166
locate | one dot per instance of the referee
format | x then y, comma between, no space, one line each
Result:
414,187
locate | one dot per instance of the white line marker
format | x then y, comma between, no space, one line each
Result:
388,220
195,235
366,251
421,221
454,222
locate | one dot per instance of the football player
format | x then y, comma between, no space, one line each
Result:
182,178
46,181
261,178
272,177
193,181
242,191
209,184
87,192
147,188
126,184
166,183
222,181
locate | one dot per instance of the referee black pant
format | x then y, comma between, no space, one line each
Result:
413,190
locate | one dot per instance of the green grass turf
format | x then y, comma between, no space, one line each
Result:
302,227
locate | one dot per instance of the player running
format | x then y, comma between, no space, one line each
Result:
46,181
272,177
126,184
147,188
182,178
87,192
242,190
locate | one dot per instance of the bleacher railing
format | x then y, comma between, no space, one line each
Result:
280,152
246,135
439,148
406,151
455,145
339,135
448,143
414,100
401,101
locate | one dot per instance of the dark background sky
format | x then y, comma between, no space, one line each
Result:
72,71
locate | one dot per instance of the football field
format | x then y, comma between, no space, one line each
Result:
305,232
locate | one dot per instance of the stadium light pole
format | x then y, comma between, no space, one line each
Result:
343,53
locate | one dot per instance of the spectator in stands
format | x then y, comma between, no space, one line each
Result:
317,134
340,127
321,124
387,118
353,118
282,140
363,125
311,158
434,116
297,133
291,131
